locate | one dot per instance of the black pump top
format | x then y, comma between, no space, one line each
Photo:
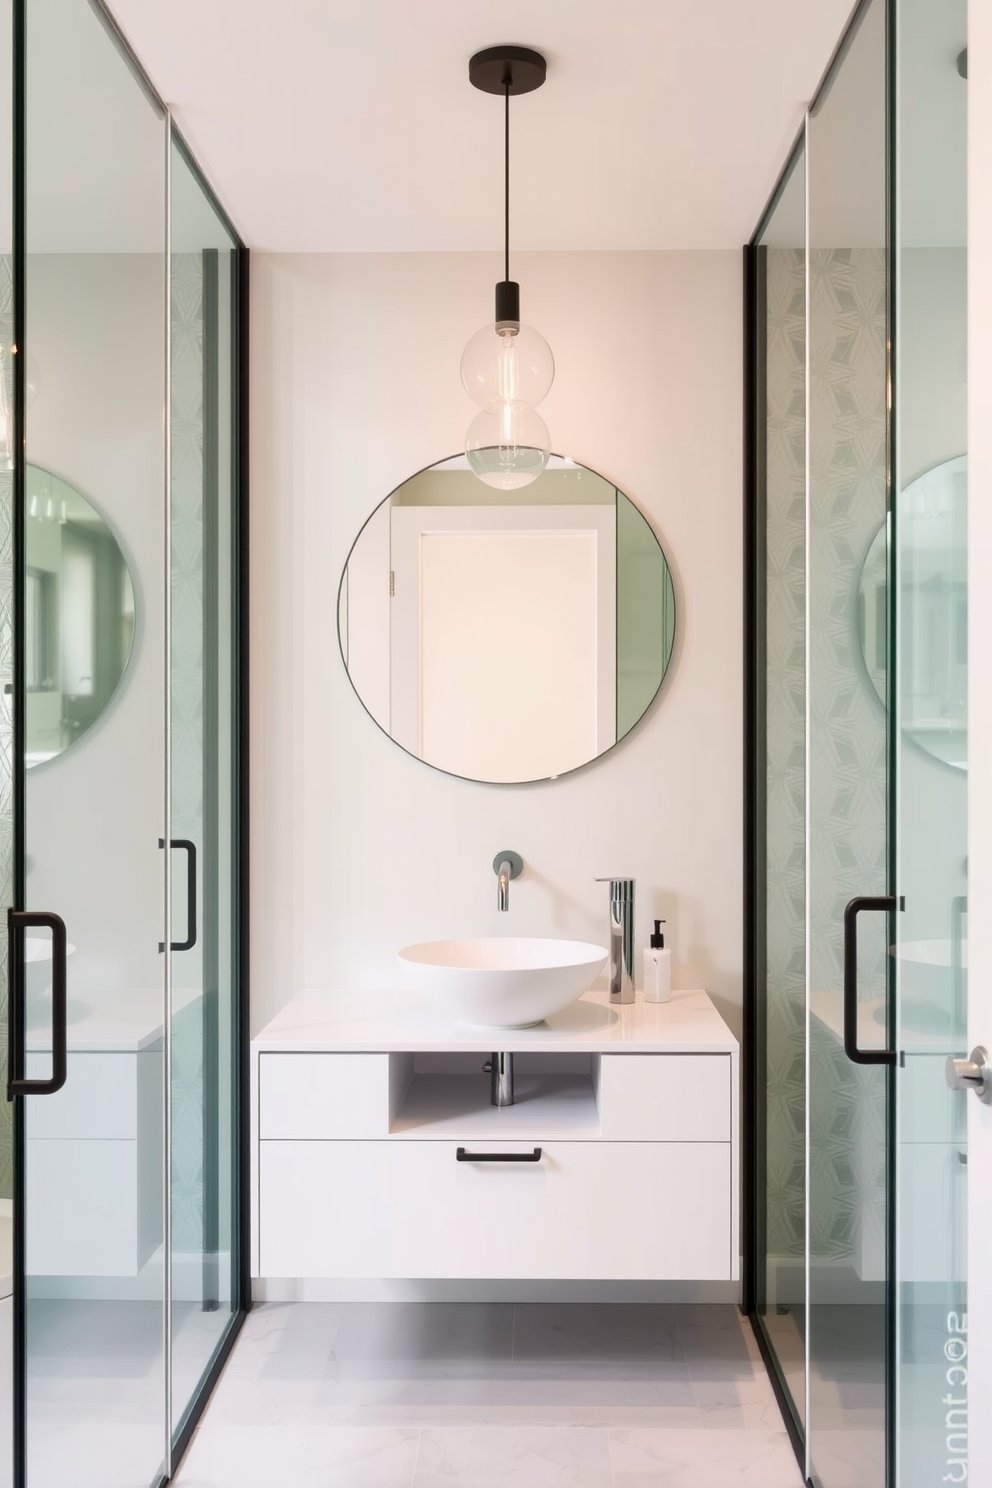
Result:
657,939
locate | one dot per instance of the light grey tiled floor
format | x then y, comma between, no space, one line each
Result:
465,1395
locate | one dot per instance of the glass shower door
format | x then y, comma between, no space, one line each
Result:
204,808
930,550
6,763
848,775
93,1268
780,792
861,750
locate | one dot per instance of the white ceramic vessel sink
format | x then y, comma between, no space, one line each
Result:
503,982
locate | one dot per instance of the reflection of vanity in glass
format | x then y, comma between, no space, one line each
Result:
511,638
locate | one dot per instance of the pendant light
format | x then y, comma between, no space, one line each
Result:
507,367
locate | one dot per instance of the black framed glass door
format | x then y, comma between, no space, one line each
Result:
122,618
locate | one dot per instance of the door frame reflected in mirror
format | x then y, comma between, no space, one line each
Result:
401,572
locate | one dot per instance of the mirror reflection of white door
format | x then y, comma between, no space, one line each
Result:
503,637
979,729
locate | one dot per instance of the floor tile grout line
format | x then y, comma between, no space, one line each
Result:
416,1456
609,1456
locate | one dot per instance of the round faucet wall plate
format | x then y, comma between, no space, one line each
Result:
515,861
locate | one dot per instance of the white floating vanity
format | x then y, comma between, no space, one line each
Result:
376,1152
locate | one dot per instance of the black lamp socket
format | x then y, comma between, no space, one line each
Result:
507,305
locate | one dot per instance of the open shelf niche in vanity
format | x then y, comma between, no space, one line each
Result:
364,1133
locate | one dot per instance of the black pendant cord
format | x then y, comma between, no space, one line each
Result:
506,189
510,70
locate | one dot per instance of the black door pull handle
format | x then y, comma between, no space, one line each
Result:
881,902
19,920
532,1157
190,941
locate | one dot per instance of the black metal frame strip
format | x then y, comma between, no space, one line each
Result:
19,330
241,486
749,1083
892,749
213,856
754,1113
188,1429
782,1396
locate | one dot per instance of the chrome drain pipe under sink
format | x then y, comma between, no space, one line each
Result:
499,1068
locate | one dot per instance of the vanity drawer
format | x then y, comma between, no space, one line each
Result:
665,1097
329,1096
587,1210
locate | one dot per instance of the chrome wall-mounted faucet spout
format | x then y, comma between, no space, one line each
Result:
621,938
506,865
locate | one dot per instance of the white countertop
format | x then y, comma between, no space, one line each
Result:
394,1023
107,1022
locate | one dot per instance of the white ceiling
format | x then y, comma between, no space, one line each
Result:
350,125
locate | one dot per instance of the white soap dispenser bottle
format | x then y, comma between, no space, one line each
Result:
657,968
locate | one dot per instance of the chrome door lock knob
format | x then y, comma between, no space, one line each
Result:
972,1074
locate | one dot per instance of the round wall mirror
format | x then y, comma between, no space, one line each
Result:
511,639
932,525
78,615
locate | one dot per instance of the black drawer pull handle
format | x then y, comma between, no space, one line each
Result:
462,1156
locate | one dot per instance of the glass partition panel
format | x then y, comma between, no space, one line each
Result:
931,739
93,1169
847,766
6,735
781,866
203,805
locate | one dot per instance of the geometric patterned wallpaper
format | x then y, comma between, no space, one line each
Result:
847,758
186,640
785,785
848,764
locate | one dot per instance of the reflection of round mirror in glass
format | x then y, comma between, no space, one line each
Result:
78,615
512,637
932,521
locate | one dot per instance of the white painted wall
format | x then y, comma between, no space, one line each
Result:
358,849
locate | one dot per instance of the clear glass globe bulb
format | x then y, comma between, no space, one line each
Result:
508,445
507,367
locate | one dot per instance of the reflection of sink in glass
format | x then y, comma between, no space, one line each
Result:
38,1000
926,985
38,1013
919,1017
503,982
39,948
